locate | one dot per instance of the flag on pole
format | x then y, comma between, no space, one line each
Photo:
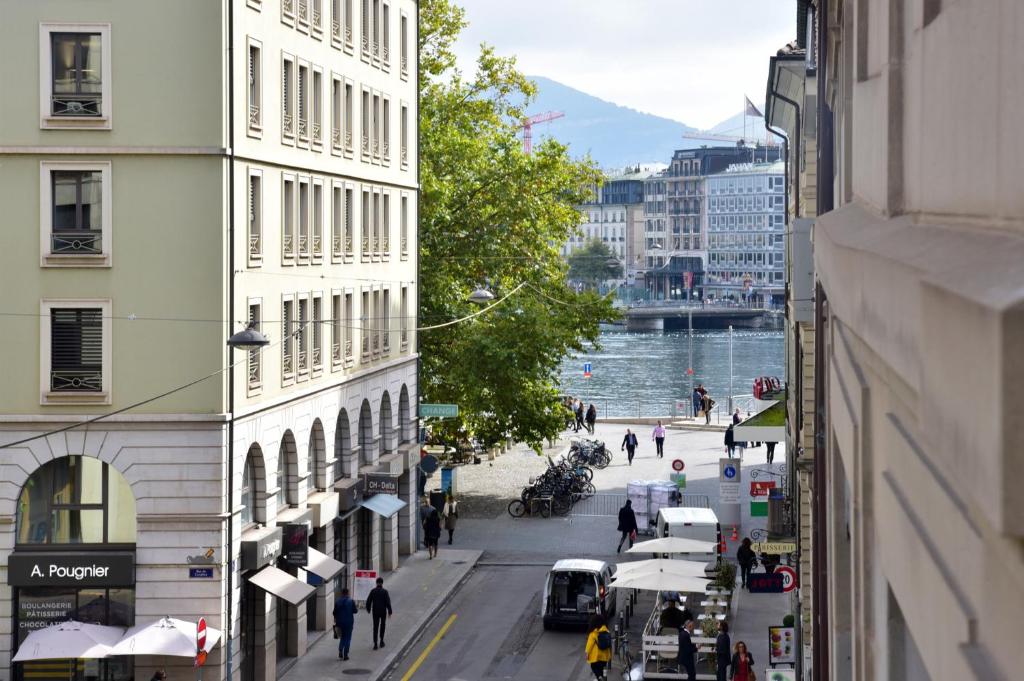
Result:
750,109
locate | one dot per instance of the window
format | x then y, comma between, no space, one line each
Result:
385,46
365,226
255,91
375,322
288,97
385,321
317,17
75,363
347,117
76,500
337,222
385,245
386,131
404,136
302,336
404,312
287,339
348,349
364,325
74,66
404,47
255,366
375,220
365,27
318,219
318,333
288,12
348,25
348,224
337,93
255,216
318,107
303,102
375,134
288,218
375,42
302,14
364,124
74,220
337,331
404,234
283,481
303,218
337,23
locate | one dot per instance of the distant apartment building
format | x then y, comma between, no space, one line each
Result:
746,234
614,217
171,172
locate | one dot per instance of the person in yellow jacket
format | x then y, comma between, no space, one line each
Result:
599,645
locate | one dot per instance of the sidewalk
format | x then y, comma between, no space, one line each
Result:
419,588
753,614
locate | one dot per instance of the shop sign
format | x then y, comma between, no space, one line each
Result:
773,547
762,488
381,484
365,581
42,609
71,569
296,545
781,645
761,583
262,550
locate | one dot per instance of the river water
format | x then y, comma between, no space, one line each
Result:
645,372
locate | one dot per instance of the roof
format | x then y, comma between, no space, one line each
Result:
581,564
773,168
688,515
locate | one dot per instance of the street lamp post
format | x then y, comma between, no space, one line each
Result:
730,371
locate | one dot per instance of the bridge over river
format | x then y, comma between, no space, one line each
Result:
672,315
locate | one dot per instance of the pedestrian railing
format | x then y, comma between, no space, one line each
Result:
608,504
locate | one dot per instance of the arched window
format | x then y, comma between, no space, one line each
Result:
76,500
246,493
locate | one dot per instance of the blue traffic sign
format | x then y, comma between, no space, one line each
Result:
586,370
730,471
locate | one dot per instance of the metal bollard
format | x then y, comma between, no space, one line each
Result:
626,614
615,640
622,621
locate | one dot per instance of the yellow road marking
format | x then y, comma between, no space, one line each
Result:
430,647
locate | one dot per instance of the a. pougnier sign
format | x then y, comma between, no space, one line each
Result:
71,569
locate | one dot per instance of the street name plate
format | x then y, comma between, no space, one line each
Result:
440,411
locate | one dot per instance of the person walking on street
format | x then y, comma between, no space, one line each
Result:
378,604
723,651
451,514
695,398
687,652
591,418
627,525
659,439
771,451
707,404
730,441
747,559
736,417
579,415
432,532
599,645
629,443
742,663
345,610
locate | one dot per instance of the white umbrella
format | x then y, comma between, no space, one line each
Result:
672,566
68,639
661,581
674,545
167,636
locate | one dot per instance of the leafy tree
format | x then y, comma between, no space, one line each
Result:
593,263
492,215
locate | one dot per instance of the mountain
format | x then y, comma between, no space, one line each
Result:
615,136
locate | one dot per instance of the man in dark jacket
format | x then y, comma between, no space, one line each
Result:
345,610
591,418
687,652
730,441
723,651
378,604
627,524
747,560
629,443
696,399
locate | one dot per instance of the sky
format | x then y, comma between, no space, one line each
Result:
688,60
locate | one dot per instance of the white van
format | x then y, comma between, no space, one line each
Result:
692,523
575,590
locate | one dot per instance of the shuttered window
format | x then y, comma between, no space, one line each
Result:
317,333
255,365
76,350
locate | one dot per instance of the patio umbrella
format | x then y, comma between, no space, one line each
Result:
68,639
672,566
674,545
661,581
166,636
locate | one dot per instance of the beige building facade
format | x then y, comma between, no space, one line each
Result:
159,195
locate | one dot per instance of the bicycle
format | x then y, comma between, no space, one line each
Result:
623,655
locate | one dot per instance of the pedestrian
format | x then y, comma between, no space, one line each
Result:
579,415
627,525
742,663
736,417
702,390
629,443
451,514
747,559
591,418
671,617
425,509
345,610
771,451
695,399
432,532
378,604
659,439
159,675
687,652
730,442
599,645
723,650
707,404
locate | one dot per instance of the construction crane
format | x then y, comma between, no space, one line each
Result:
530,121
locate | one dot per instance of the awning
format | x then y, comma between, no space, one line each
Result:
282,585
384,505
768,425
322,565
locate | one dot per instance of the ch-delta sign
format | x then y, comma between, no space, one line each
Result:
439,411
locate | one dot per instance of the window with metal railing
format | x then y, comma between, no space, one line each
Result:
77,212
255,364
287,339
302,336
255,90
316,353
76,87
255,216
337,331
318,220
76,350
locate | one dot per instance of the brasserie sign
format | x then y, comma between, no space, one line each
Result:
71,569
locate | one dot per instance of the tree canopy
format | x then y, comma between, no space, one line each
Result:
491,215
594,262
